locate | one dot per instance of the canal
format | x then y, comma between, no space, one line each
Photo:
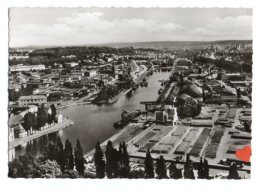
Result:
95,123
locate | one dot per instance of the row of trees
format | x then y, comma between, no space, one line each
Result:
174,172
116,164
35,122
65,157
59,161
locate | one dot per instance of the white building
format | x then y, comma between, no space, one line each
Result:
71,64
91,73
24,101
25,68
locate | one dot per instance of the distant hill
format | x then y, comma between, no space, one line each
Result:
175,44
155,44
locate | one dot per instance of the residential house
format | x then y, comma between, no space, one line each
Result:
25,101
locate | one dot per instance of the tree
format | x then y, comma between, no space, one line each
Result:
200,70
206,169
23,167
99,162
137,174
42,117
53,112
49,119
79,158
27,166
233,173
124,167
68,154
238,91
149,169
60,158
175,173
113,70
108,152
70,174
201,172
29,121
181,79
188,168
161,170
51,151
115,163
112,161
47,169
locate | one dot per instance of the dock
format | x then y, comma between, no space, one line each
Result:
56,127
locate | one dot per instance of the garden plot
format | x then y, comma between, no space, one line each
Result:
160,134
147,146
198,145
144,139
182,148
180,131
212,147
170,140
191,135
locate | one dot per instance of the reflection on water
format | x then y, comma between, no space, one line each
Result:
92,122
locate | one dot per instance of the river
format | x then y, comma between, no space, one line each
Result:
93,123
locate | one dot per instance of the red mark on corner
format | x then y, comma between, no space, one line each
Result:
244,154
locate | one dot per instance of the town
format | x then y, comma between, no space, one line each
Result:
200,118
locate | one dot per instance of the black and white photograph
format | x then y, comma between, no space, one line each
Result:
130,93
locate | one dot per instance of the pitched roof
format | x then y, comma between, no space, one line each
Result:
14,120
30,97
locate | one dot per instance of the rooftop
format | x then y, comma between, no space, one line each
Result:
30,97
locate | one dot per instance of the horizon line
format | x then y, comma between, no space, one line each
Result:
98,44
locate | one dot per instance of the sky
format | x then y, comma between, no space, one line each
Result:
84,26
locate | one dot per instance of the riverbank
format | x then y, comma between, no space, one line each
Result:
80,101
56,127
124,135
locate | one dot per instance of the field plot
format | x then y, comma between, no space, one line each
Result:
182,148
191,135
212,147
148,145
170,140
217,135
162,149
211,150
144,139
197,147
160,134
150,139
180,131
128,134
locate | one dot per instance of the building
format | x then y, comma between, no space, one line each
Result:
170,111
59,118
26,68
90,73
71,64
16,130
25,101
161,116
20,132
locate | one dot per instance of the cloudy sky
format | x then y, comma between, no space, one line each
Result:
79,26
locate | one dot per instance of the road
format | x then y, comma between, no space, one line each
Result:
58,126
